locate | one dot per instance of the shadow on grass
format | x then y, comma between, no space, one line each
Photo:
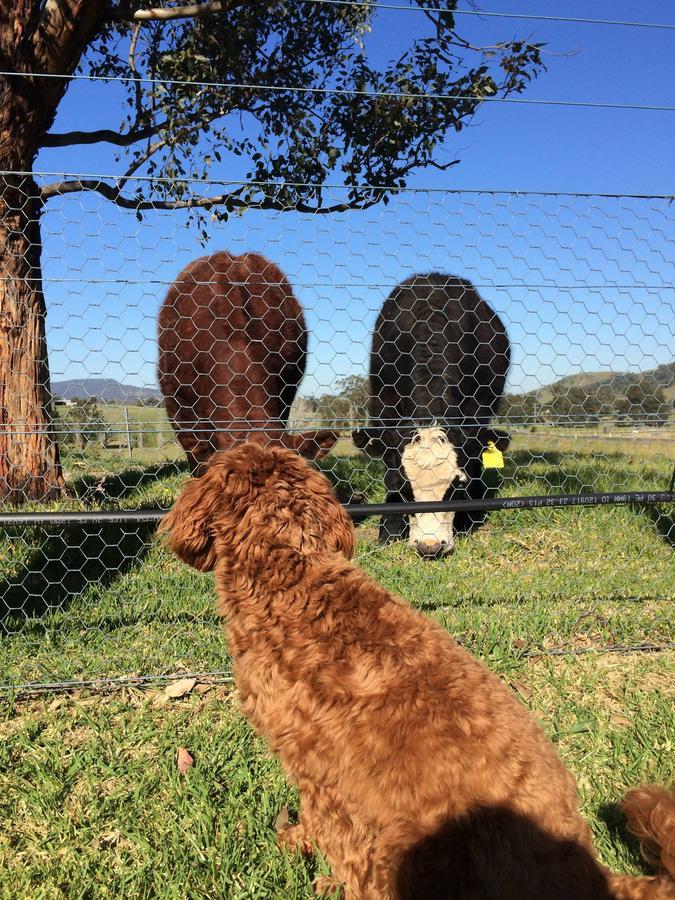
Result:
583,476
614,819
497,852
63,561
355,479
663,522
93,490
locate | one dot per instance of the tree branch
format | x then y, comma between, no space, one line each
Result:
192,124
62,31
67,138
107,135
138,90
192,11
443,167
232,200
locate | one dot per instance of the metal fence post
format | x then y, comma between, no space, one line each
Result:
126,424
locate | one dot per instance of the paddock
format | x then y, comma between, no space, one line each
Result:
125,766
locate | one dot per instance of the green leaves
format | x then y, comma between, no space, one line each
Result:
292,90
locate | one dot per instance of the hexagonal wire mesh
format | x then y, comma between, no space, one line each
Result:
280,350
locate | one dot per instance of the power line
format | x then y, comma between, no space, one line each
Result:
350,92
490,15
365,285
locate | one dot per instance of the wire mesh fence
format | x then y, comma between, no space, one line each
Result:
532,370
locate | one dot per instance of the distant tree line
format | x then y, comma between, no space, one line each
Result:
641,403
83,423
346,407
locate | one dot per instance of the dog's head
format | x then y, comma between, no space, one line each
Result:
254,504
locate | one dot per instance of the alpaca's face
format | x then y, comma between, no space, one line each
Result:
254,500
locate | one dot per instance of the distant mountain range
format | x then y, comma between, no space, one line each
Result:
107,390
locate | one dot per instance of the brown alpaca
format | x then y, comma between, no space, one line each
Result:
232,352
420,773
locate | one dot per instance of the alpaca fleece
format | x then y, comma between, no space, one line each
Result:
420,773
232,352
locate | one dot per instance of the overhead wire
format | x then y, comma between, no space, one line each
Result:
350,92
491,14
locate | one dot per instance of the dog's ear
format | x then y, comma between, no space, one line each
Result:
315,444
343,534
187,525
327,516
227,480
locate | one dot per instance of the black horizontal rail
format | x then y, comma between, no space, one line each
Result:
358,510
534,502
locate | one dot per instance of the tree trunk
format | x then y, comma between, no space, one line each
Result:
29,455
47,38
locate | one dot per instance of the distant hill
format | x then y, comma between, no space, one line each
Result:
107,390
638,398
618,382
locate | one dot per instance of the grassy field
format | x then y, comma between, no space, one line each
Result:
90,794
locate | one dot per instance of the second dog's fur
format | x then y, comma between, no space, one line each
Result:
420,773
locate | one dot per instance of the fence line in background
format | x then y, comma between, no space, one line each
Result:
225,676
558,421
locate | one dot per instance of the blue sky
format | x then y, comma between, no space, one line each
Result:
582,283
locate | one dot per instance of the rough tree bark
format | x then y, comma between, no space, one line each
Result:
29,457
46,37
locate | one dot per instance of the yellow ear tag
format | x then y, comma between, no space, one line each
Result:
492,457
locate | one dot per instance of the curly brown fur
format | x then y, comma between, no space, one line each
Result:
650,812
420,773
232,352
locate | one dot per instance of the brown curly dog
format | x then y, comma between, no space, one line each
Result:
421,775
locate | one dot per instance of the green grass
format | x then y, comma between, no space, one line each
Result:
90,795
94,806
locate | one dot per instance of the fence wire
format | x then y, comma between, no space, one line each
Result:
491,14
277,346
233,86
